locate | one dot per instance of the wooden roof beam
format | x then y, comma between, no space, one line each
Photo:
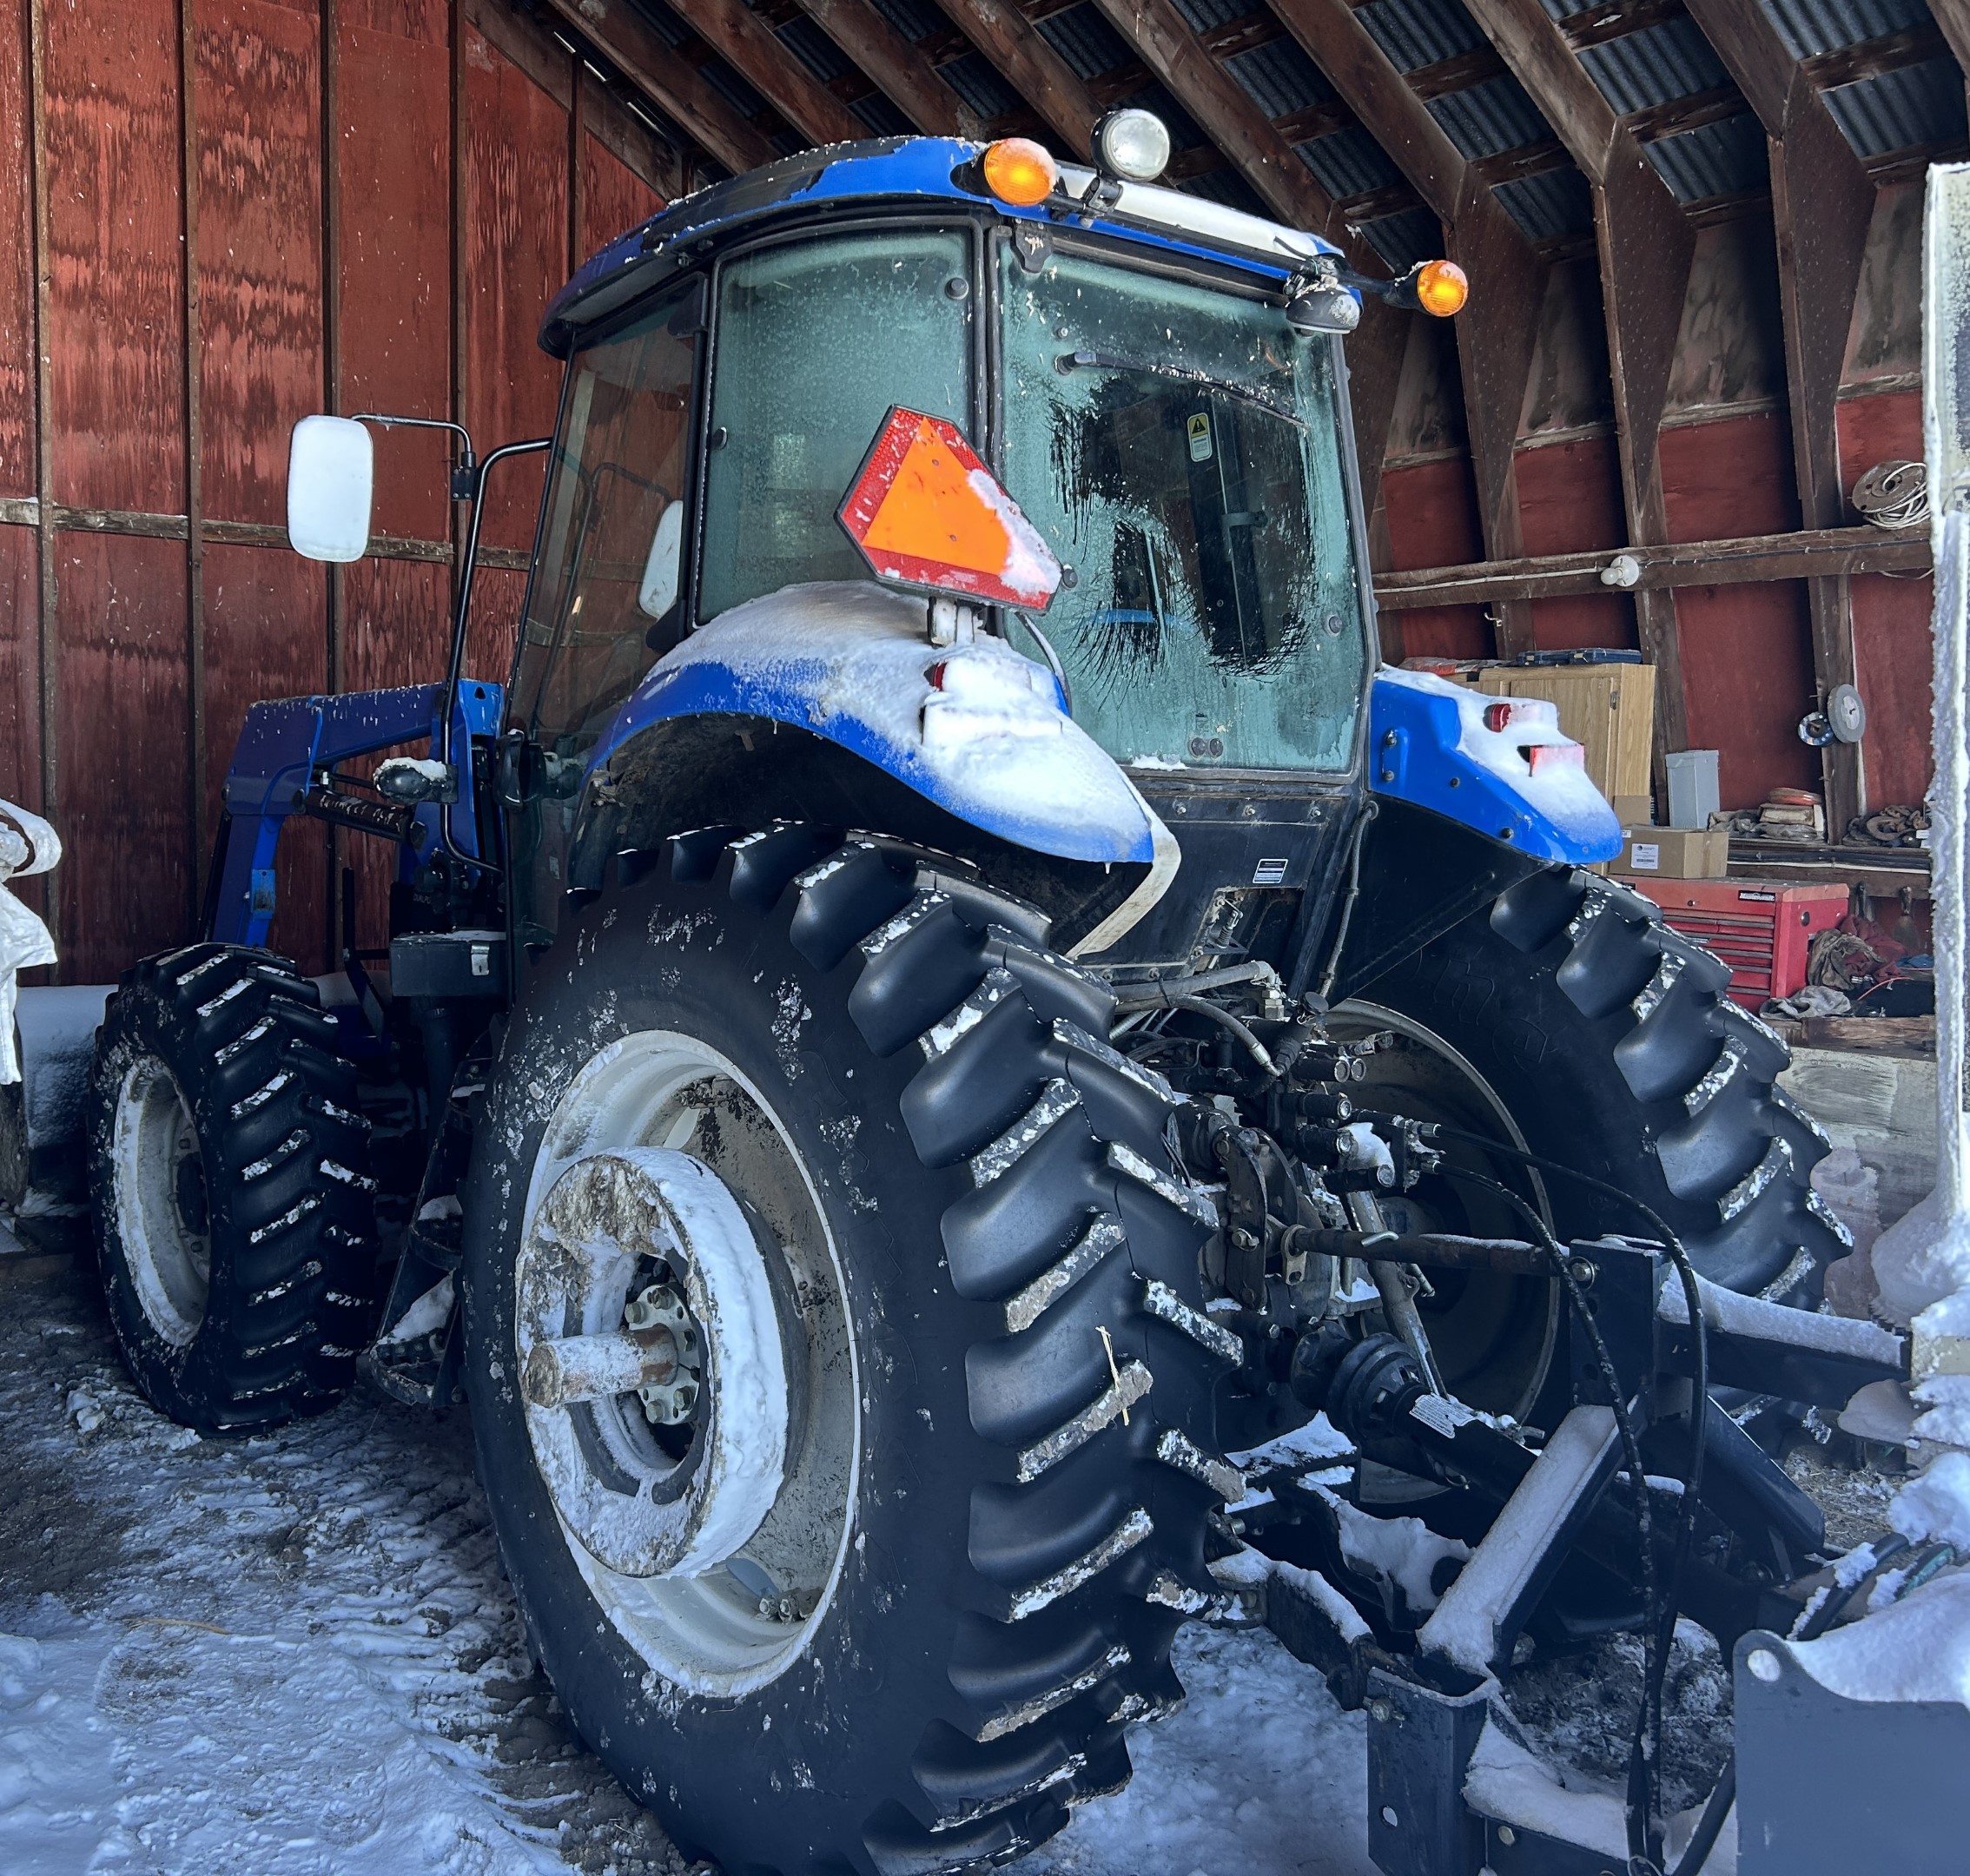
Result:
1496,331
671,85
746,43
1822,205
896,69
1645,245
1022,55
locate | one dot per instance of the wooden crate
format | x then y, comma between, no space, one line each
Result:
1609,708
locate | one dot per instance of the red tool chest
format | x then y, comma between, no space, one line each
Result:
1761,929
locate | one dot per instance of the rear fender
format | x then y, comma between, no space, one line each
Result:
285,742
977,730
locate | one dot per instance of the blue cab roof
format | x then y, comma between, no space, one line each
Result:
902,169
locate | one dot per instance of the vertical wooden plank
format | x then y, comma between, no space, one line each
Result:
16,257
515,259
20,709
45,649
613,198
116,308
261,608
194,445
124,761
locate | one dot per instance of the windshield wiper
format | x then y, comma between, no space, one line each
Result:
1085,361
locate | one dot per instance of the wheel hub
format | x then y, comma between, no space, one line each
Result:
163,1213
651,1363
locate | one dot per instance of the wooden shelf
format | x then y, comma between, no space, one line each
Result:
1881,871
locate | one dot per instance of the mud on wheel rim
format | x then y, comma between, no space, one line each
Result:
710,1527
162,1208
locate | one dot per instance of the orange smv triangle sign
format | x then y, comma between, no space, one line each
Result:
926,512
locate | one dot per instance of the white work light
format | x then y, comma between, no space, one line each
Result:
1132,145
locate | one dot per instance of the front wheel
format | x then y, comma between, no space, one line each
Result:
836,1356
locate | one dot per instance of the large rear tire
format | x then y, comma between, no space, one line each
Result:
229,1183
1610,1039
986,1387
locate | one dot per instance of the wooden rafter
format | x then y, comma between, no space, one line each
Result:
1822,205
1022,54
672,85
739,36
1496,331
897,68
1645,245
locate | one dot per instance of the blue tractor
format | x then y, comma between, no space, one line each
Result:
944,996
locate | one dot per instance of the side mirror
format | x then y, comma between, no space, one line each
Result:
331,475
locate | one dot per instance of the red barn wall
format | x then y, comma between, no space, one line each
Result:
249,210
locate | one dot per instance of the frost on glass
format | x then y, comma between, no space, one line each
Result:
1179,449
815,342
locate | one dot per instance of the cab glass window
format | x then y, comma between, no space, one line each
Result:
1179,447
816,340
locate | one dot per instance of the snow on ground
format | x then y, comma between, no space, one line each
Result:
295,1655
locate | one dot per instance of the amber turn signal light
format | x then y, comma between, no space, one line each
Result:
1442,286
1019,171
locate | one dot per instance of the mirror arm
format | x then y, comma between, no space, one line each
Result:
461,614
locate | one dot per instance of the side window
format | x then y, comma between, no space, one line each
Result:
816,340
604,606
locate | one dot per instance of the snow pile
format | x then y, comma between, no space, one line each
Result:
1945,1399
1916,1650
1936,1503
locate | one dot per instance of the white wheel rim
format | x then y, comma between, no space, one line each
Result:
155,1140
714,1549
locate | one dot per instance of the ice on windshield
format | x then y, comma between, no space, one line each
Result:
1177,448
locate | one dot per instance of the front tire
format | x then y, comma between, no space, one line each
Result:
229,1183
993,1482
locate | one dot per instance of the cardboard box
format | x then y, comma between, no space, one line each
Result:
1634,811
1673,853
1608,709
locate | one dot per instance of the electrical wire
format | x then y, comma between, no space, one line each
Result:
1370,809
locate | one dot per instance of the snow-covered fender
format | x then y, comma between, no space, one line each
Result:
1523,783
975,728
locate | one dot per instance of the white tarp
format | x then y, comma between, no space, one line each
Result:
28,845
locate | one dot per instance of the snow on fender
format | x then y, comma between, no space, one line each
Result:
976,728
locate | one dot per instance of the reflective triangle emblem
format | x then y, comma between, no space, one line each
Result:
926,512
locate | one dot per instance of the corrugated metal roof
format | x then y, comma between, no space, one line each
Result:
979,87
813,48
1810,26
1415,33
882,117
914,19
1490,117
667,23
732,87
1182,127
1086,41
1905,109
1724,158
1201,16
1548,205
1650,67
1403,240
1280,78
1348,162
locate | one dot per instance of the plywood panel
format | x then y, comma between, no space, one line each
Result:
16,263
122,786
258,113
392,150
1747,672
116,264
516,260
1570,498
263,608
614,199
1727,477
1893,649
1882,426
498,595
1432,521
